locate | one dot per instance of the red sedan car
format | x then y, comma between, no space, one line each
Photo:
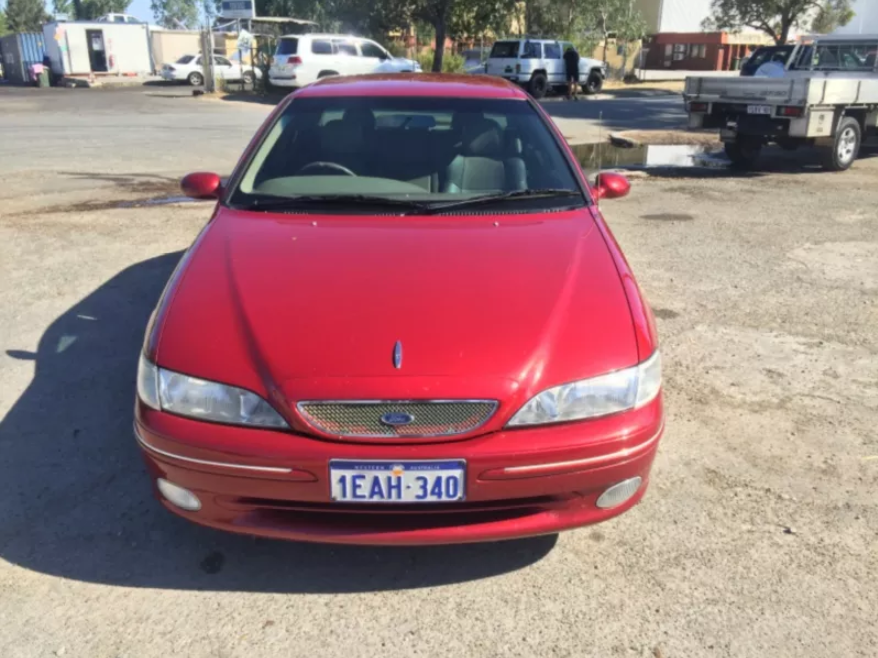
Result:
405,323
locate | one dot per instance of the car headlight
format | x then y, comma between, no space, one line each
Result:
599,396
198,398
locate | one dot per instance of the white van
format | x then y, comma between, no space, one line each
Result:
303,58
538,65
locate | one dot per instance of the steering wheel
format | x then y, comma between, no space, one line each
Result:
326,165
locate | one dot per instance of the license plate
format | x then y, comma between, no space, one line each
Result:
397,482
759,109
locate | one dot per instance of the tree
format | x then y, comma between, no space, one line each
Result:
64,7
831,16
4,26
25,15
775,17
175,13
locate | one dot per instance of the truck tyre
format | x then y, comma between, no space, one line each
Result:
538,85
196,79
743,152
593,84
845,146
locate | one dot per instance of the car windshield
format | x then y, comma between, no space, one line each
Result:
505,49
425,150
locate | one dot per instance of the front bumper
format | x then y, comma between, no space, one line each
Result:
520,483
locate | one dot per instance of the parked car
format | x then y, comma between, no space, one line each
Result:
405,323
119,18
474,60
829,102
190,68
303,58
538,66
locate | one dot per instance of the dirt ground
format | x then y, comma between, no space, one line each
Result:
757,536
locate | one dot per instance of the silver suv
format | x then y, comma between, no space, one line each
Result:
538,65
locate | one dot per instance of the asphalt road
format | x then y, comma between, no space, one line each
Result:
757,537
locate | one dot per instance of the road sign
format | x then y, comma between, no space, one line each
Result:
238,9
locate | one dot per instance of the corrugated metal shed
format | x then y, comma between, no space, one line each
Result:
19,51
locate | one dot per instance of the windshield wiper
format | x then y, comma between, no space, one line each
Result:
545,193
295,202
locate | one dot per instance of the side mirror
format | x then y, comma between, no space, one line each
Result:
201,185
610,186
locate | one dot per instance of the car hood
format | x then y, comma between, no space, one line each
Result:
312,306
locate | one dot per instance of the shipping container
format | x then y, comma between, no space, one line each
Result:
86,48
19,52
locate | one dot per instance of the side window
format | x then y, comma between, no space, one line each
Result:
532,50
197,62
553,51
370,49
221,61
346,48
118,19
321,47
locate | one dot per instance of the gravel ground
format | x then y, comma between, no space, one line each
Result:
757,537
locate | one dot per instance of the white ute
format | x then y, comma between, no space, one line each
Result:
301,59
538,66
830,102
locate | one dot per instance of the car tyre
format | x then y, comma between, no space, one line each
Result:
743,152
538,85
845,147
249,78
195,79
593,84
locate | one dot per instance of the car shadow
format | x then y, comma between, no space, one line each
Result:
260,97
75,500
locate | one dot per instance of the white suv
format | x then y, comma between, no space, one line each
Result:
301,59
538,65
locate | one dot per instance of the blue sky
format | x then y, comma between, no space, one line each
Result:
140,9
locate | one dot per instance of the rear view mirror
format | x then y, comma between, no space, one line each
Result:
610,186
201,185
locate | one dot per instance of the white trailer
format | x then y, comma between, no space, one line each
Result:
832,105
97,48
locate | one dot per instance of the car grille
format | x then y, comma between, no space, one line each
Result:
429,418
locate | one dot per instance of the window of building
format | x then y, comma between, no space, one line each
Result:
679,51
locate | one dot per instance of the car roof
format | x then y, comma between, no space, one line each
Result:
413,84
322,35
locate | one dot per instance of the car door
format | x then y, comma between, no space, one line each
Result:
224,68
553,63
348,57
372,55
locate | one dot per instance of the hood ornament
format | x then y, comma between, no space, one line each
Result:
397,355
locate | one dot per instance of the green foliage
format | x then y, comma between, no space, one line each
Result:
4,26
91,9
451,63
25,15
174,13
64,7
831,15
776,17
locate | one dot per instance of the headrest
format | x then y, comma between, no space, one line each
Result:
482,137
340,136
360,116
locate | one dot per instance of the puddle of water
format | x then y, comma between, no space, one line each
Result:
606,156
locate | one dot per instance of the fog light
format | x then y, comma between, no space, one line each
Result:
182,498
619,493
